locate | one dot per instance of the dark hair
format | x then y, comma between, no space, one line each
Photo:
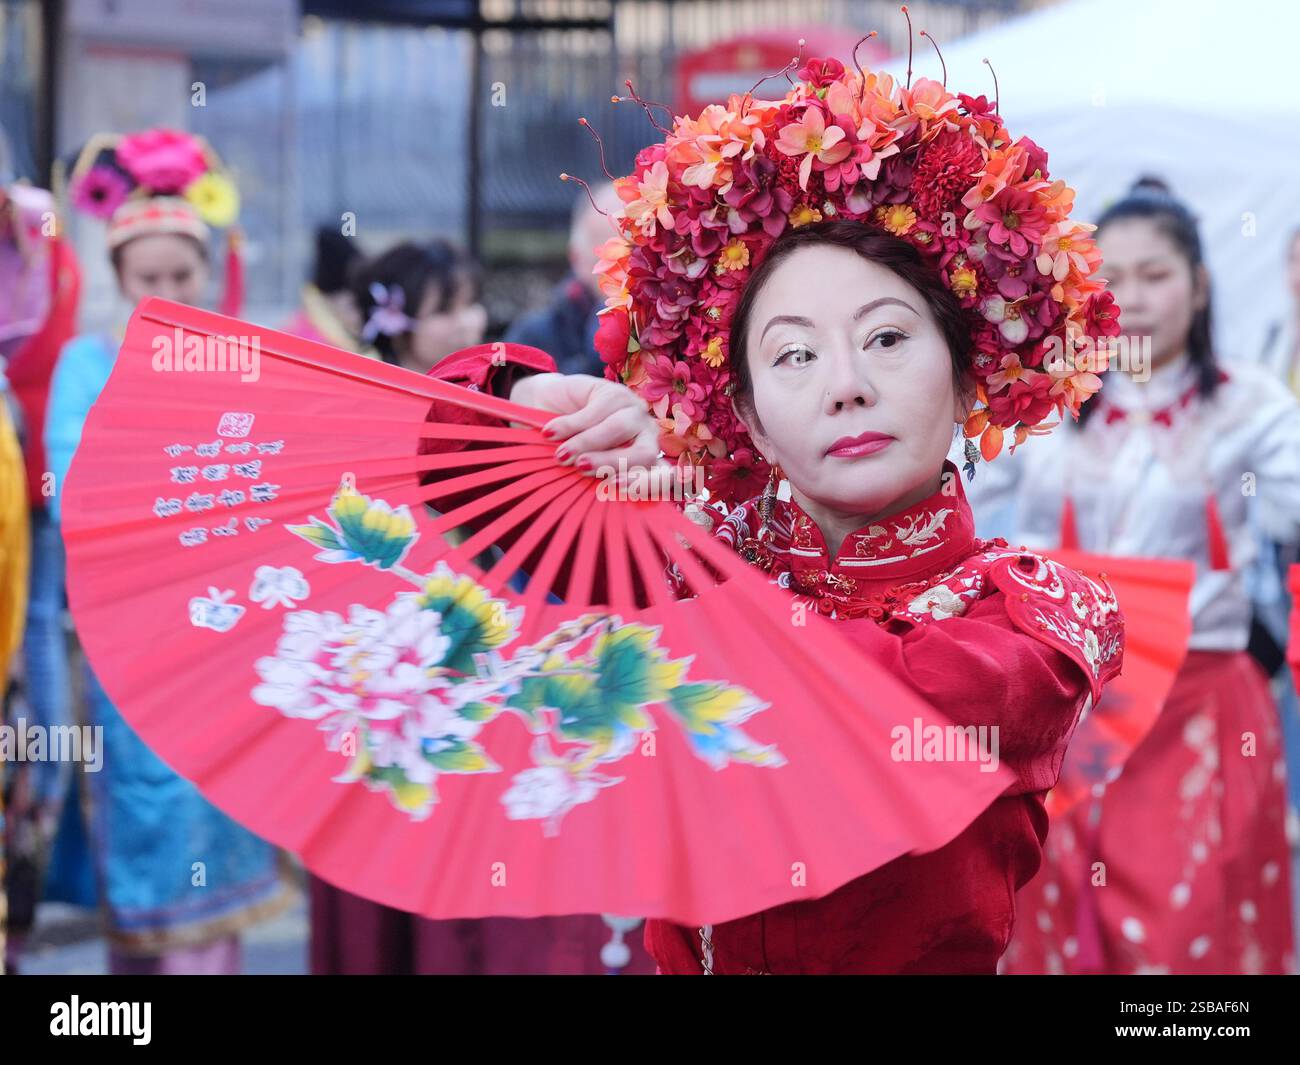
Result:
337,257
875,246
415,268
115,256
1150,199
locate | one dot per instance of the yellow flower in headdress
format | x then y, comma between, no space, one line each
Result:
733,256
898,218
215,197
803,215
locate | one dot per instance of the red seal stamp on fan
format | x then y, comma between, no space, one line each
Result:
233,424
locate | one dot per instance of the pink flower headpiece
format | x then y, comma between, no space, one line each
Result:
158,181
113,173
704,205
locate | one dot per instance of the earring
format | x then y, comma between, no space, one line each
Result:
972,456
767,502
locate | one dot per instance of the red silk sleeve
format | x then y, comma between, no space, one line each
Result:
980,669
492,368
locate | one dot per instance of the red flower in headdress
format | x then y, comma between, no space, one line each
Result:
612,336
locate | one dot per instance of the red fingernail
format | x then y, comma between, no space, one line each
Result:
584,464
548,433
562,455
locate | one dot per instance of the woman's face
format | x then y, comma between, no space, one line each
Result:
162,265
438,333
1157,291
839,347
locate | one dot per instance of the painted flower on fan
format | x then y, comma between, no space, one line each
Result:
365,531
216,199
475,620
711,714
374,665
379,676
100,191
162,160
553,787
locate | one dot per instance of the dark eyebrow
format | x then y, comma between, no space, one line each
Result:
865,309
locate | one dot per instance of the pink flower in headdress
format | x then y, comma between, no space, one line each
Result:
928,100
819,73
649,203
163,160
1067,247
1076,389
1002,168
1014,276
100,191
388,315
811,138
756,196
1014,219
668,382
1011,371
1036,158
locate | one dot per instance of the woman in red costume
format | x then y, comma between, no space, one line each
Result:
809,290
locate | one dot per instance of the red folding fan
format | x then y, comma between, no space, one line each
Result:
543,729
1152,594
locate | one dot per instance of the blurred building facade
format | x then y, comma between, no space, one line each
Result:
403,118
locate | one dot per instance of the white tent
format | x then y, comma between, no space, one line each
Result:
1203,94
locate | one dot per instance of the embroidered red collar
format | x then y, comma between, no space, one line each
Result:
883,560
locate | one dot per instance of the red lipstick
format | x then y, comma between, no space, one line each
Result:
864,444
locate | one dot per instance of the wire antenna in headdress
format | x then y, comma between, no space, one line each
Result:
930,37
587,188
749,94
997,93
909,43
645,106
599,144
862,78
797,61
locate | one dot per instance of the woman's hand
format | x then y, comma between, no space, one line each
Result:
601,422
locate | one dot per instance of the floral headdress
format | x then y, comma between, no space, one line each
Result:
158,181
704,205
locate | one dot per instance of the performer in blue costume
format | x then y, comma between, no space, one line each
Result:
180,879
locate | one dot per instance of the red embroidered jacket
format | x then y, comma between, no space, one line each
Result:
985,634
